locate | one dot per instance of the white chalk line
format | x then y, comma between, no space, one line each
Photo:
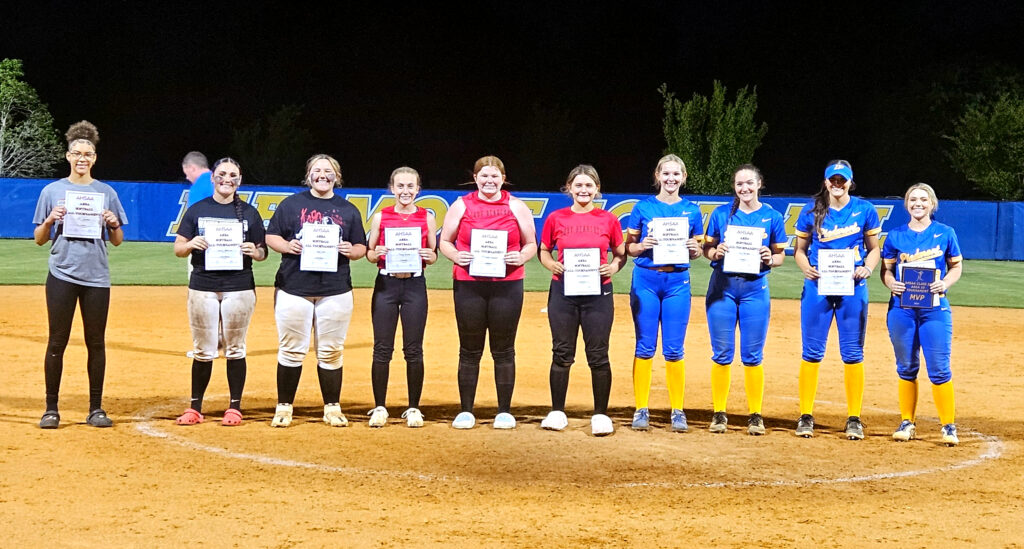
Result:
992,448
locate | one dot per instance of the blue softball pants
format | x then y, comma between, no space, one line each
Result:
735,299
914,331
663,298
850,313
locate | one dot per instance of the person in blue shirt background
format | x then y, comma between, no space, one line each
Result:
922,243
741,298
197,170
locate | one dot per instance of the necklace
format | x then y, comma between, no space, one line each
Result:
405,217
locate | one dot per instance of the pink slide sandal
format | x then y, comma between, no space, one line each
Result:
232,417
190,417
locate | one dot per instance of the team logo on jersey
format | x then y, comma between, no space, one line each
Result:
930,253
828,235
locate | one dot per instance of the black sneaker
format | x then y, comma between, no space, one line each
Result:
98,418
805,426
718,422
755,425
50,420
854,428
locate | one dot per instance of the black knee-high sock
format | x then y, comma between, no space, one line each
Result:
414,376
330,384
601,379
469,376
97,368
53,369
236,381
505,383
200,381
559,379
287,383
379,372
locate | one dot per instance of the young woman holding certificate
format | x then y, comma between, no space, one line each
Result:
663,236
78,214
221,235
581,293
744,241
488,235
837,250
920,261
317,233
402,241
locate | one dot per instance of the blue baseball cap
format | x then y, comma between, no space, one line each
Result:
839,167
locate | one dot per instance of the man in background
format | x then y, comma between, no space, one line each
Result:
197,171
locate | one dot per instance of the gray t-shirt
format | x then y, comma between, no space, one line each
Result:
78,260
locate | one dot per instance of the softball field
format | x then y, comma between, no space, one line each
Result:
148,482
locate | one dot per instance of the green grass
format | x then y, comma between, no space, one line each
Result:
984,284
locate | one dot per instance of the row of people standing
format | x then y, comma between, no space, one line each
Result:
221,301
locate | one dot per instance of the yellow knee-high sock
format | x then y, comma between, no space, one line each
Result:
854,381
721,377
675,378
753,382
642,380
908,400
944,402
808,385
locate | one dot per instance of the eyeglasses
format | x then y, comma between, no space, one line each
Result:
78,154
234,179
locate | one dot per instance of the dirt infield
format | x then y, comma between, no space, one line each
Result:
147,482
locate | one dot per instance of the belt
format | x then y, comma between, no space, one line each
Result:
664,268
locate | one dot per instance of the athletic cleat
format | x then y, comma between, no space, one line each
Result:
805,426
334,417
679,424
641,420
556,421
755,425
504,420
98,418
378,416
464,420
413,417
50,420
282,416
949,437
854,428
601,425
718,422
906,431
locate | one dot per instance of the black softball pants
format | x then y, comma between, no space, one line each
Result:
393,299
482,307
567,315
61,299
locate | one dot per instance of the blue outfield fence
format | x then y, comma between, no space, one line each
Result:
987,230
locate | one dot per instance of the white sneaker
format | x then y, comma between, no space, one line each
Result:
378,416
556,421
504,420
282,416
601,425
334,417
464,420
413,417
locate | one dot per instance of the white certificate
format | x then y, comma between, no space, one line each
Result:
84,218
836,269
582,274
224,245
744,255
672,234
320,247
488,249
403,250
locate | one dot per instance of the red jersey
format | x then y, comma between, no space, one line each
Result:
390,218
566,229
493,216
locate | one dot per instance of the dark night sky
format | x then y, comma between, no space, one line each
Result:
543,85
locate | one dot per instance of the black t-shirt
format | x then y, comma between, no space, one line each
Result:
193,224
287,222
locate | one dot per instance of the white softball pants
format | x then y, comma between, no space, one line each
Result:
328,317
219,316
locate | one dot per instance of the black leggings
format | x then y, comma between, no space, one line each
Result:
61,300
566,315
481,307
395,298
